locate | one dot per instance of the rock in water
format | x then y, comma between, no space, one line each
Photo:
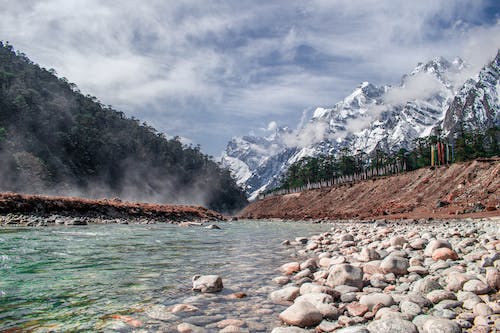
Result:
207,283
302,314
213,226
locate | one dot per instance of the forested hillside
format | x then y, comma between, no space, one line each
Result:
55,140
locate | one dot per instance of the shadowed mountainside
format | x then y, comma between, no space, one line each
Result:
54,140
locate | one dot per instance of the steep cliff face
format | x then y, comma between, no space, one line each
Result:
429,97
451,191
476,105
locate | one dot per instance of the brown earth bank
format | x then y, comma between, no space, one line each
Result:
469,189
38,205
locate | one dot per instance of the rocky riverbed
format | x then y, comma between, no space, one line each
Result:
405,276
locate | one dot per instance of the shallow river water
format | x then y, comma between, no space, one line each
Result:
111,278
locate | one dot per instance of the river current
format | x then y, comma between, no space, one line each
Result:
110,278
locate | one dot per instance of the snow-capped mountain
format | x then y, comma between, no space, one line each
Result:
476,105
372,117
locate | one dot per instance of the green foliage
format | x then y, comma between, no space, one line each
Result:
93,148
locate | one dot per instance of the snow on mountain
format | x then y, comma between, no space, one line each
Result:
476,105
371,118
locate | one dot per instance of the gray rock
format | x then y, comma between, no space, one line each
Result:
189,328
288,294
435,244
345,274
368,254
438,295
322,302
394,264
353,329
301,314
455,281
392,325
377,298
426,285
289,330
409,308
207,283
476,286
482,309
439,325
420,320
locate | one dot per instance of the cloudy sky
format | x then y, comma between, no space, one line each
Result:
208,70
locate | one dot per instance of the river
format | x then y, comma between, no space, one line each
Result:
100,277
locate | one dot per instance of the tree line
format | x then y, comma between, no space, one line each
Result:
328,170
55,139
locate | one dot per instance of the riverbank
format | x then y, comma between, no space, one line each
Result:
408,277
33,210
460,190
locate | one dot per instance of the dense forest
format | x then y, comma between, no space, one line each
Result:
429,151
55,140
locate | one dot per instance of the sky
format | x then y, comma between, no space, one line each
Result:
210,70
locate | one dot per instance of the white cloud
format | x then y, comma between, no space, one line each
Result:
420,86
215,60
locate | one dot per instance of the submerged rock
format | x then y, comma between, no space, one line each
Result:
207,283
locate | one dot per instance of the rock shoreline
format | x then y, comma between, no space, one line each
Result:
434,276
37,210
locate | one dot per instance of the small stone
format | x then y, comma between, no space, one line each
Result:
289,330
476,286
418,270
482,309
288,294
440,325
377,298
327,326
290,268
230,322
160,312
455,281
493,278
237,295
438,295
435,244
392,325
183,308
189,328
301,314
345,274
357,309
281,280
398,241
207,283
353,329
368,254
394,264
409,308
231,329
444,253
426,285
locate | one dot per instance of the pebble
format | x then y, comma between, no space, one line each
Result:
392,325
402,276
301,314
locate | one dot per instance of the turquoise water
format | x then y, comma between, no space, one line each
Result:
76,278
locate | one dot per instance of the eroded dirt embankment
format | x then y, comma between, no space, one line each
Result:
104,208
470,189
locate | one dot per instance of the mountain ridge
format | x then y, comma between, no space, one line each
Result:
369,118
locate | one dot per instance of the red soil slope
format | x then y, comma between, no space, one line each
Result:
45,205
469,189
